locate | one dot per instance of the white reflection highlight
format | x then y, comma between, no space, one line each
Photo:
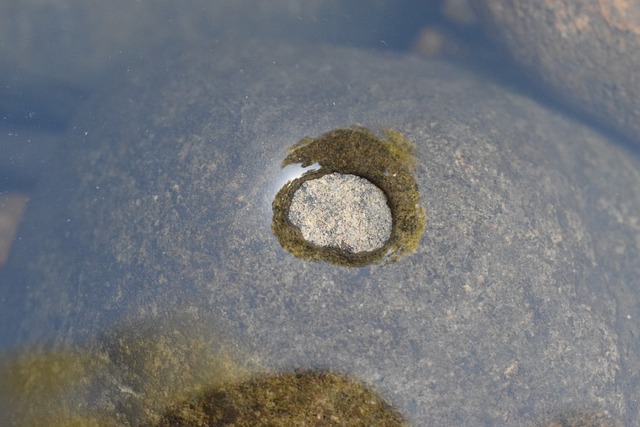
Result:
289,173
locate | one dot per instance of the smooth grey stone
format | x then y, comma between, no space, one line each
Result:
25,154
521,301
54,52
585,52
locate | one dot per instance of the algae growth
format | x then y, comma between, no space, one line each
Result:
129,377
174,371
302,398
386,162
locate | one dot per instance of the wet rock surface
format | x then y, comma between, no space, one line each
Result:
587,52
519,303
57,51
343,211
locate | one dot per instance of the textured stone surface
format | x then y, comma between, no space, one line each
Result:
343,211
586,51
520,303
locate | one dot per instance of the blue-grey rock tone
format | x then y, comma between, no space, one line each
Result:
586,53
520,303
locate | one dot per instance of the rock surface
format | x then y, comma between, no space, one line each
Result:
55,51
342,211
520,303
587,52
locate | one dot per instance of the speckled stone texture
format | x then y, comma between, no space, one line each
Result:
587,52
342,211
520,303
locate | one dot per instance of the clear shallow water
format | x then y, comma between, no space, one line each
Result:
370,322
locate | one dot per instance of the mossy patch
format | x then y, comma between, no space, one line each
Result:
129,377
303,398
175,371
387,162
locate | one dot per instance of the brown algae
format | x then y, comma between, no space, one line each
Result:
171,371
131,376
299,398
386,162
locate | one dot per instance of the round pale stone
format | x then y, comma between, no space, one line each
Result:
343,211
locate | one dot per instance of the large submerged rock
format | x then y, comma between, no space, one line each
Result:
56,51
587,52
519,304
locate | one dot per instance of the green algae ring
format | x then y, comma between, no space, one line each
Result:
359,206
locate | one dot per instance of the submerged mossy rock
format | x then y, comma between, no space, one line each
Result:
130,375
303,398
519,303
175,370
